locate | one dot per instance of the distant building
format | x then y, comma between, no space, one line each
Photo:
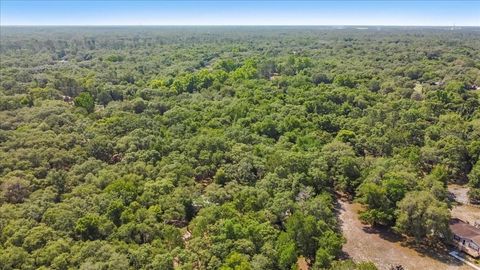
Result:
466,237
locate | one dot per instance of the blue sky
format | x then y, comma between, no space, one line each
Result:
17,12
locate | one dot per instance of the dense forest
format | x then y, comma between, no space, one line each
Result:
227,147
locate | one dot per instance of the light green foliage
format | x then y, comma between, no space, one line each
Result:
382,196
474,182
455,86
350,265
225,148
421,215
338,165
247,71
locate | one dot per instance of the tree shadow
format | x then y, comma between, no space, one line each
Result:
385,233
438,252
344,256
452,199
338,208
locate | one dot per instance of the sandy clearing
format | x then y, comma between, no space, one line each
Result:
466,213
385,249
459,193
463,209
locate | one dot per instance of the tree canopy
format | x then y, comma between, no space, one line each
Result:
223,148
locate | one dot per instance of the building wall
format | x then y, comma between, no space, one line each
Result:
467,246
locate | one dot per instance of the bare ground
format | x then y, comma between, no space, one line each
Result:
386,249
462,209
458,193
466,213
302,263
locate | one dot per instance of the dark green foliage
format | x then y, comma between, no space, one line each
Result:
14,189
114,58
474,182
104,97
224,148
345,80
319,78
92,226
85,101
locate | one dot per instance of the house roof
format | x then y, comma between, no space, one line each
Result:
465,230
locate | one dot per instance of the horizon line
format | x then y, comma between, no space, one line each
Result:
227,25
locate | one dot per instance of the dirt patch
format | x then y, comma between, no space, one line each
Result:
386,249
458,193
462,209
467,213
302,263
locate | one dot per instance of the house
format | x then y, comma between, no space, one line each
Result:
466,237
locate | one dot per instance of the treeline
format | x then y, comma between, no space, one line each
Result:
224,148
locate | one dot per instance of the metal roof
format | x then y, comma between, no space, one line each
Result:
465,230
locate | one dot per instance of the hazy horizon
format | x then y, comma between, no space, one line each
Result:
240,13
238,25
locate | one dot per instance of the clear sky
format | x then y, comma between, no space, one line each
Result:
17,12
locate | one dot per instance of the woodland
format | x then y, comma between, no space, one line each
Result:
227,147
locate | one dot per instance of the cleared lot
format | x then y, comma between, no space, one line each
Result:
386,249
463,210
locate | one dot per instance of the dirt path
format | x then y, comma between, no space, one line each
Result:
386,249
